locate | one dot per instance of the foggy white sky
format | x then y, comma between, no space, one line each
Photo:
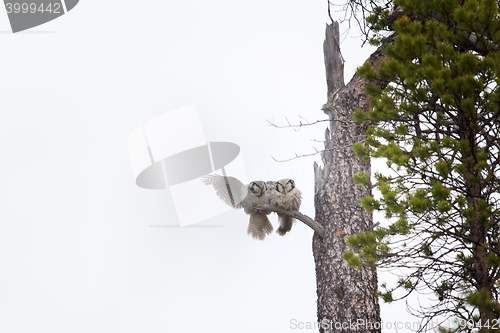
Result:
82,248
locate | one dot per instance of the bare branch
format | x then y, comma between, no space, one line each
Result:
301,124
316,152
329,13
317,227
298,156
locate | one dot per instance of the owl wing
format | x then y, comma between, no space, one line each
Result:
297,199
291,200
229,189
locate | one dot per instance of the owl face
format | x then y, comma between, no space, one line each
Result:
284,186
258,188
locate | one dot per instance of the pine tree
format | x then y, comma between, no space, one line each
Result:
436,122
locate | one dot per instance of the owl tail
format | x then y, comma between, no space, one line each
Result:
259,226
286,223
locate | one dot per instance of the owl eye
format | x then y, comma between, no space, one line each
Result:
292,183
256,188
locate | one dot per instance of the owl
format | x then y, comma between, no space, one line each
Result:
238,195
271,190
286,196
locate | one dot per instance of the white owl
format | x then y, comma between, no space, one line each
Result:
288,197
238,195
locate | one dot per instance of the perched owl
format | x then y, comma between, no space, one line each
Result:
288,197
238,195
271,189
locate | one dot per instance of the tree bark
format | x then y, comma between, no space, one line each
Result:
347,300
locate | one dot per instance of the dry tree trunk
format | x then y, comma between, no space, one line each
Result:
347,300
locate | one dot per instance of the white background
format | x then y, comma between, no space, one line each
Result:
82,248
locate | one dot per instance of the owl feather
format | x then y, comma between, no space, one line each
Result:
259,226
